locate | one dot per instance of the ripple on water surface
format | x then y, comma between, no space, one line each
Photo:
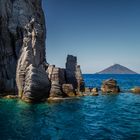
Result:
87,118
108,117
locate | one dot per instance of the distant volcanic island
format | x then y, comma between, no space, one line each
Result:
117,69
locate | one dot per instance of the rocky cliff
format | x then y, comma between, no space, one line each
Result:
22,48
74,74
68,81
23,67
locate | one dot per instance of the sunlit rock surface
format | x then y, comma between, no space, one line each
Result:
24,70
110,86
22,39
66,82
57,78
135,90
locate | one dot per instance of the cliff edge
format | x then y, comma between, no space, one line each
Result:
22,49
23,67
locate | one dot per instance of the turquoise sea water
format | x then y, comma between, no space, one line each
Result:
103,117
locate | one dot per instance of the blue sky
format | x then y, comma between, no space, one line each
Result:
99,32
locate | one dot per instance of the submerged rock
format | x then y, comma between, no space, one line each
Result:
135,90
110,86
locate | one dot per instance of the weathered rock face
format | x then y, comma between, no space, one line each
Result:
71,65
79,79
74,74
32,80
65,82
22,54
22,39
8,51
95,90
135,90
68,90
57,78
87,89
110,86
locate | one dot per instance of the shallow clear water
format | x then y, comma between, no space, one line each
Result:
109,117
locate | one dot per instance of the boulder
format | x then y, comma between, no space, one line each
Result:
94,90
11,97
94,94
68,90
135,90
87,89
110,86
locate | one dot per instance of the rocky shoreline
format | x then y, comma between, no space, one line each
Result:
25,72
108,87
24,69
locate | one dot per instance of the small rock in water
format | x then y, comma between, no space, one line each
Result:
87,89
11,96
94,90
135,90
110,86
94,94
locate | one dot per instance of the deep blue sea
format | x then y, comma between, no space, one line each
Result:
103,117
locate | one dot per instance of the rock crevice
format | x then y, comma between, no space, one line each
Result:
22,48
23,66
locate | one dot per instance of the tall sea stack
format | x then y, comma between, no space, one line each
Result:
22,49
71,64
74,74
23,67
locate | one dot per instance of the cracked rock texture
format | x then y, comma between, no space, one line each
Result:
74,74
23,66
22,49
57,78
66,82
110,86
